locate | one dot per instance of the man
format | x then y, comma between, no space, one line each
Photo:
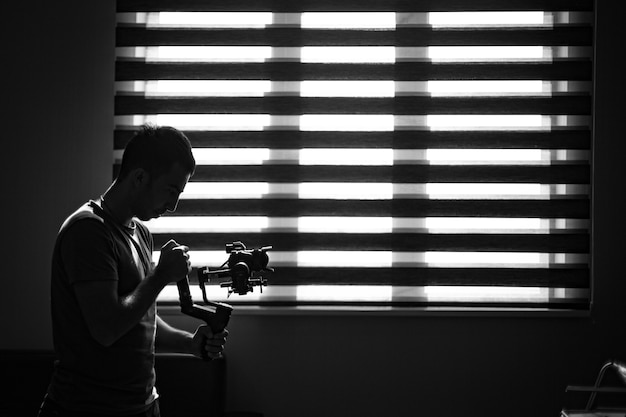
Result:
104,287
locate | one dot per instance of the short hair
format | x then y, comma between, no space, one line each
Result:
156,149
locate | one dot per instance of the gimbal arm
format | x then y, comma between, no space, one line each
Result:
215,315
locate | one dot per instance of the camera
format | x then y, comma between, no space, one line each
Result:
243,267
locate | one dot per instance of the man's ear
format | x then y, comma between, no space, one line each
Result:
140,177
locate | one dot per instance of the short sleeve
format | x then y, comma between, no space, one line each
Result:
88,252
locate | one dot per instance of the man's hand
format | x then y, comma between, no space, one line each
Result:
174,262
207,344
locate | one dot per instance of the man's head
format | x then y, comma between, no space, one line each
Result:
156,166
156,149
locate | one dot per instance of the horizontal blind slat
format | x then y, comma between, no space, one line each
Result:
353,5
570,35
557,69
570,277
566,243
293,139
556,305
561,208
572,104
555,174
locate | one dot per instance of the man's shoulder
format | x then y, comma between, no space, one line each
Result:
85,212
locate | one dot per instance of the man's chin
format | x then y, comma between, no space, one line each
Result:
151,214
148,217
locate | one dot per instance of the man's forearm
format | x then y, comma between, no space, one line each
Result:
135,304
172,340
108,315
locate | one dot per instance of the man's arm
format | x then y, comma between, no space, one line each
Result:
108,315
173,340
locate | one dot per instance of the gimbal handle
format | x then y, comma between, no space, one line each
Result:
215,315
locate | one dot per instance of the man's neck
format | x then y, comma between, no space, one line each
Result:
115,202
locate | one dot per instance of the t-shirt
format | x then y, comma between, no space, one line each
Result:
117,379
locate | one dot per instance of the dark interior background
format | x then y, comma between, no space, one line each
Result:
56,153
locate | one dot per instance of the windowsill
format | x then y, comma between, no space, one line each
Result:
487,312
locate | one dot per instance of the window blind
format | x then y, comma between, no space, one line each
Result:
393,153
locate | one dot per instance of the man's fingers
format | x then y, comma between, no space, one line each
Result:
183,248
170,244
211,339
173,245
212,343
205,331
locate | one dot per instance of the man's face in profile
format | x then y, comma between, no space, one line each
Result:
160,194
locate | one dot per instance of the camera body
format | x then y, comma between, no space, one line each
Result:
244,266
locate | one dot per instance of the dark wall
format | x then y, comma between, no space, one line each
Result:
57,153
57,147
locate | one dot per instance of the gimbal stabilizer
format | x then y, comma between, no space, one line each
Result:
243,265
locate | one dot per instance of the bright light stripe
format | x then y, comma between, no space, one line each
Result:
346,157
379,191
199,88
346,191
488,87
341,20
347,88
480,53
344,224
381,293
500,224
202,53
351,122
487,156
496,294
380,259
349,20
219,190
348,54
236,122
344,293
211,19
508,190
379,156
198,19
344,258
487,122
456,19
355,224
208,224
230,156
460,293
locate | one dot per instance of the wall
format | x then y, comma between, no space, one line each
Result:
59,136
60,89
